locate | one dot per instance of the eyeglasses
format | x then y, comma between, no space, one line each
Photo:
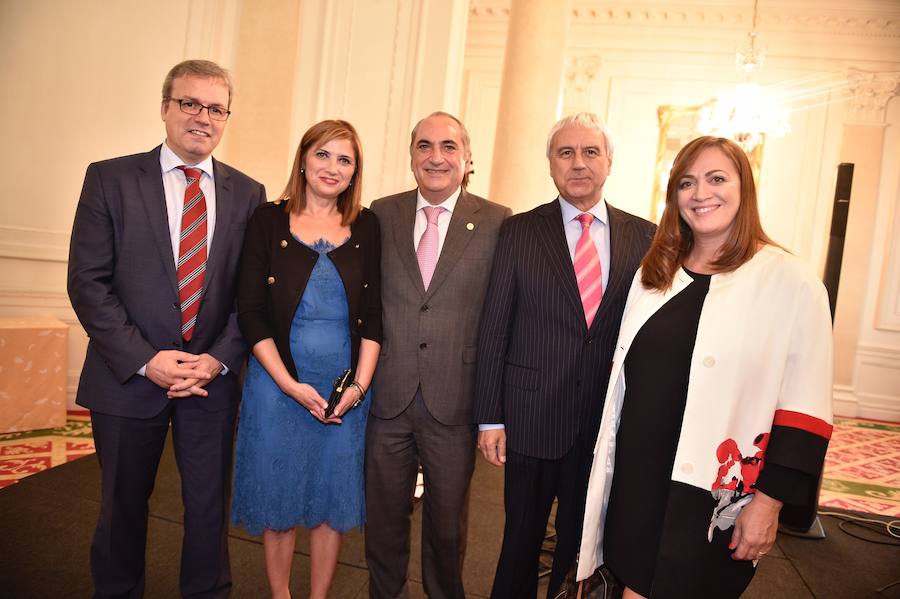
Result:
216,113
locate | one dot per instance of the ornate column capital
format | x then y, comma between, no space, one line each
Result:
581,71
869,92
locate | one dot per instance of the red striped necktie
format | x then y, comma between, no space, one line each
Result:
191,251
588,271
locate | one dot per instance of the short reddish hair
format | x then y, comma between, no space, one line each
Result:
674,239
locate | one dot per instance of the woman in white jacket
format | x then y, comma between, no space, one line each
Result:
718,411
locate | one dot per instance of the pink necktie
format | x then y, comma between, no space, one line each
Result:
191,251
427,250
588,271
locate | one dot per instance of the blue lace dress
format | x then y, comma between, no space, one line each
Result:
290,469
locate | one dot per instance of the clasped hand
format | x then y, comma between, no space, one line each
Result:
182,374
310,399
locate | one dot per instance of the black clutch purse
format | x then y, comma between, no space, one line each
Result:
340,383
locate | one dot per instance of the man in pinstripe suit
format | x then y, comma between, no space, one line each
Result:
545,349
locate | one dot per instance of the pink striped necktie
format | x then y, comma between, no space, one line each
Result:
427,250
191,251
588,271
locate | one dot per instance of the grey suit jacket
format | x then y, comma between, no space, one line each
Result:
430,337
123,287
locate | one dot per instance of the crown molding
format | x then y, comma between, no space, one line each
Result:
867,19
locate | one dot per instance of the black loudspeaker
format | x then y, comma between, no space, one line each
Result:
804,524
839,214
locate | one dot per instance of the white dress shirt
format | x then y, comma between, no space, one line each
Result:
443,218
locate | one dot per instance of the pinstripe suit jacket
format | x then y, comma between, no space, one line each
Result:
429,336
541,372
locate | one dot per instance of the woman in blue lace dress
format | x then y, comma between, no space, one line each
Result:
309,305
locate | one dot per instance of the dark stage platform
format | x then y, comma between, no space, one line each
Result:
47,521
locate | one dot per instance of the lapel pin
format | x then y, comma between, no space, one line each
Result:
470,226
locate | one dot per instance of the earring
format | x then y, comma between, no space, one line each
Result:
302,171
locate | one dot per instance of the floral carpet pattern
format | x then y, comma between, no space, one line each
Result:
862,468
29,452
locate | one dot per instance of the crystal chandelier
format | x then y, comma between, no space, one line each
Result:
747,114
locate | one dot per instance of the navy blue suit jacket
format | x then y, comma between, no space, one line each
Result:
123,287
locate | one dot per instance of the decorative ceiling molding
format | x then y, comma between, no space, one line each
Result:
847,19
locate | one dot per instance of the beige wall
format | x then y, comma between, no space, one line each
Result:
260,141
80,82
381,65
75,89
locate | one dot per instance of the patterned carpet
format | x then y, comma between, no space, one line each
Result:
862,468
26,453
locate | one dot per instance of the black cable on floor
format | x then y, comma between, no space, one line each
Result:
882,528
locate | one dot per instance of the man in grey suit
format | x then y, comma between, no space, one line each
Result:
152,268
551,318
438,243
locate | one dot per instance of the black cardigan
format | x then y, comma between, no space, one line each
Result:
275,268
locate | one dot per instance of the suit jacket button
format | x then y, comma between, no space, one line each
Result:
424,308
284,243
365,285
358,321
423,345
271,280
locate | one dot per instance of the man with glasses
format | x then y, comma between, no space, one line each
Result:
152,268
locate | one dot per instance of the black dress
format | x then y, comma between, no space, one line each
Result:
655,538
